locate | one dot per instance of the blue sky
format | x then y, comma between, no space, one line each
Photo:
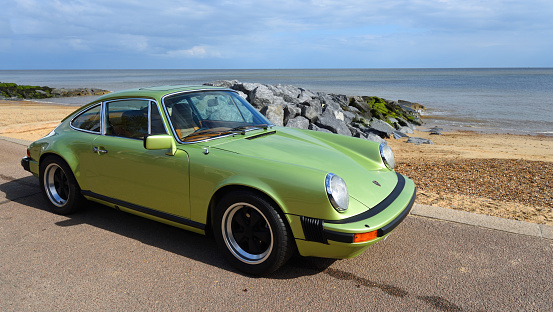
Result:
235,34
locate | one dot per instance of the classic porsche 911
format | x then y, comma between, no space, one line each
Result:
203,159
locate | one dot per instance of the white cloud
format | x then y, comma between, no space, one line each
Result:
271,32
194,52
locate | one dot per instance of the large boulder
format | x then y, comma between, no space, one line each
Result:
418,141
222,83
327,100
411,111
398,135
340,99
312,109
243,95
361,106
288,93
348,116
382,127
305,95
315,128
261,96
275,114
329,121
298,122
406,130
365,134
436,131
375,138
290,112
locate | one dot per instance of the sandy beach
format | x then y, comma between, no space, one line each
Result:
503,175
30,120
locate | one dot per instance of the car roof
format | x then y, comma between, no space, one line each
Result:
154,92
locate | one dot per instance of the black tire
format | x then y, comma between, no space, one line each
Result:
59,187
251,234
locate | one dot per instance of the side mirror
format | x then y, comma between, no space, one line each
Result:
159,142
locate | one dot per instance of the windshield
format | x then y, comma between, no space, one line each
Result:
205,114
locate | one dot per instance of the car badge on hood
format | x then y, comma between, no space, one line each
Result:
376,183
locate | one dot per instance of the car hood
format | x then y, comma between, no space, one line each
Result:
368,181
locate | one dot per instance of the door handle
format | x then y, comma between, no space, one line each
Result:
99,151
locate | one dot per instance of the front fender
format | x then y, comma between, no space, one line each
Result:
297,190
348,145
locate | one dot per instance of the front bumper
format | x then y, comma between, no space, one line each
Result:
335,238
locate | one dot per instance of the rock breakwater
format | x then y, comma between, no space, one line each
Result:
12,91
366,117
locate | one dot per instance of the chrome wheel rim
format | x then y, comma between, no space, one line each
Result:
247,233
56,185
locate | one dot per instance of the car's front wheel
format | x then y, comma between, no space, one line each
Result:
251,233
58,186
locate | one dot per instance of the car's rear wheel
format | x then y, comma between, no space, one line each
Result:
58,186
251,233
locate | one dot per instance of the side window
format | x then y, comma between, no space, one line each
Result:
156,121
89,120
127,118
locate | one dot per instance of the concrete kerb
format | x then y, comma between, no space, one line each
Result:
484,221
447,214
16,141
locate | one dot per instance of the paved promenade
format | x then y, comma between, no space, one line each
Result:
102,259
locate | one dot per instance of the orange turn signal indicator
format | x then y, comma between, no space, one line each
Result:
364,237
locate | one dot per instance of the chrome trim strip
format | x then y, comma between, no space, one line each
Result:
102,119
149,117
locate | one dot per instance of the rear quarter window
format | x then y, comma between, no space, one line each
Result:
89,120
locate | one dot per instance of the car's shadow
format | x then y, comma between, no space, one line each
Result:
194,246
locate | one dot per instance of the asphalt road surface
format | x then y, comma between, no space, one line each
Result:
105,260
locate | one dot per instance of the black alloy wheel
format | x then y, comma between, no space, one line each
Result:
58,186
251,233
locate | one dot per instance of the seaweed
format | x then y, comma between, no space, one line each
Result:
13,90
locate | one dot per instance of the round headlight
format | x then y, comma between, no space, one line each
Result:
337,192
387,156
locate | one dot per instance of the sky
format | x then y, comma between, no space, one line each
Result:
259,34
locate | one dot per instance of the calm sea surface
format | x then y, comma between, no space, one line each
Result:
511,100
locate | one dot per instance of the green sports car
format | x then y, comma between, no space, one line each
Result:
203,159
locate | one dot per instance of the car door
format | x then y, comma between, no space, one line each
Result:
125,172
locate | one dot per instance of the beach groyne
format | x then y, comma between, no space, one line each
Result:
366,117
13,91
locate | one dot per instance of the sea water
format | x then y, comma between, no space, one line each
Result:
504,100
